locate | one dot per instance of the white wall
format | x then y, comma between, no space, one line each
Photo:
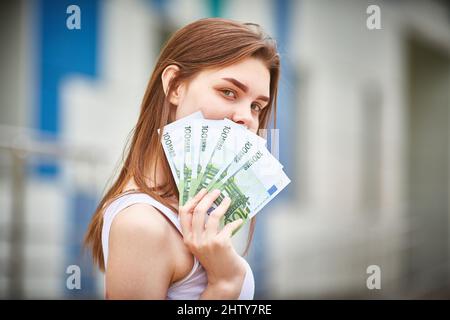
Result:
323,244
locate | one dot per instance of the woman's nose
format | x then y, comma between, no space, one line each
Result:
243,115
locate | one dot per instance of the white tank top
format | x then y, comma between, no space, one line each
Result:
191,286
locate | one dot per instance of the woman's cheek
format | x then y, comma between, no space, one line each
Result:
215,109
214,114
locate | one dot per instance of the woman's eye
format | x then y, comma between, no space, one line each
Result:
256,107
228,93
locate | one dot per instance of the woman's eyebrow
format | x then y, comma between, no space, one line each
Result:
244,88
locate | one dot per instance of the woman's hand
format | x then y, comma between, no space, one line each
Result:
212,247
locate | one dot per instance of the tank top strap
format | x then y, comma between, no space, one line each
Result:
132,198
125,201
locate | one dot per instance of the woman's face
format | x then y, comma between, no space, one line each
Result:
238,92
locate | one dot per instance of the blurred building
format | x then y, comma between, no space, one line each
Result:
363,134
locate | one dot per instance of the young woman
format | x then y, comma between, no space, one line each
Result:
148,246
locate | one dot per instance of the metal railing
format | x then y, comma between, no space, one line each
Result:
21,144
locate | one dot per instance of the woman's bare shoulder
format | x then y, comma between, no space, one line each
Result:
141,220
140,260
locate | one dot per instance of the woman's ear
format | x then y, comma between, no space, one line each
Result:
169,73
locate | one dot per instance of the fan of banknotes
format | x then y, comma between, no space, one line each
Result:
224,155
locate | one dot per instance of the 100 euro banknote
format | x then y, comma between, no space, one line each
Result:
251,186
206,134
172,140
233,141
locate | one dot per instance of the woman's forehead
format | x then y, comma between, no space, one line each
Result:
251,72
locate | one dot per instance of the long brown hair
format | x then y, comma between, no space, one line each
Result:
205,43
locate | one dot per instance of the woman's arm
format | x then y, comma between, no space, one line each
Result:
140,261
222,291
213,248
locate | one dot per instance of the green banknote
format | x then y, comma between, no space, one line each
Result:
246,145
224,155
258,180
206,135
172,141
215,159
225,149
185,175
